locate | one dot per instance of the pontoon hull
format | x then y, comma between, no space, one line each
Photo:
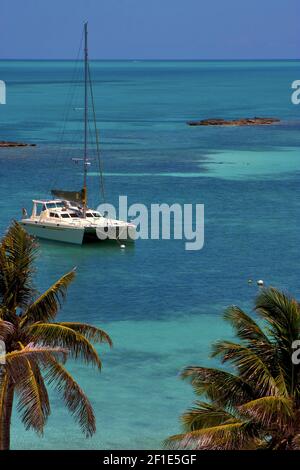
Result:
118,233
79,235
60,234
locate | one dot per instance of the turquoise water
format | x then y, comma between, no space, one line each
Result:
161,304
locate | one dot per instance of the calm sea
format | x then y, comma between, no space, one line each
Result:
162,305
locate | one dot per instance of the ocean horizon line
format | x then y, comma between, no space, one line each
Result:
150,60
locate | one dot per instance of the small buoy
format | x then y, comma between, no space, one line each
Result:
250,281
260,282
122,246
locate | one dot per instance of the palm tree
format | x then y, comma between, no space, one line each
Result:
255,403
36,347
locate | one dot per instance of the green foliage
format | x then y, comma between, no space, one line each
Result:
257,404
36,346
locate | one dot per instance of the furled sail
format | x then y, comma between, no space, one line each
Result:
73,196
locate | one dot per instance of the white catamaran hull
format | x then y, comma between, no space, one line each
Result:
51,232
78,235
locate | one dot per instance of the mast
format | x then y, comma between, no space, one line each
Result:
85,156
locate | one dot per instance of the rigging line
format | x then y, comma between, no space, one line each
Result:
73,137
92,156
66,110
69,149
101,180
71,90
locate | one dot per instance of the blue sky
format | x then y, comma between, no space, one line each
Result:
151,29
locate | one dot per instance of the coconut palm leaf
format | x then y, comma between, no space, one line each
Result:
6,329
205,415
239,435
33,403
245,327
74,398
46,306
251,366
16,361
57,335
14,292
219,386
281,312
282,315
269,411
17,253
5,270
21,248
91,333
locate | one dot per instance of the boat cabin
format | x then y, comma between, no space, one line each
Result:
60,209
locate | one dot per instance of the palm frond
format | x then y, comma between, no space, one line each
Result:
57,335
281,312
74,397
219,386
245,327
16,361
17,253
46,306
91,333
33,403
250,366
269,411
239,435
205,415
6,329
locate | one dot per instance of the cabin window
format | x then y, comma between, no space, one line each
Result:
95,214
52,214
89,214
65,216
73,215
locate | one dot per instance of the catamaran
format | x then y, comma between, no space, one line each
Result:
67,217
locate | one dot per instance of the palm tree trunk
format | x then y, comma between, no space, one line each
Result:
6,403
